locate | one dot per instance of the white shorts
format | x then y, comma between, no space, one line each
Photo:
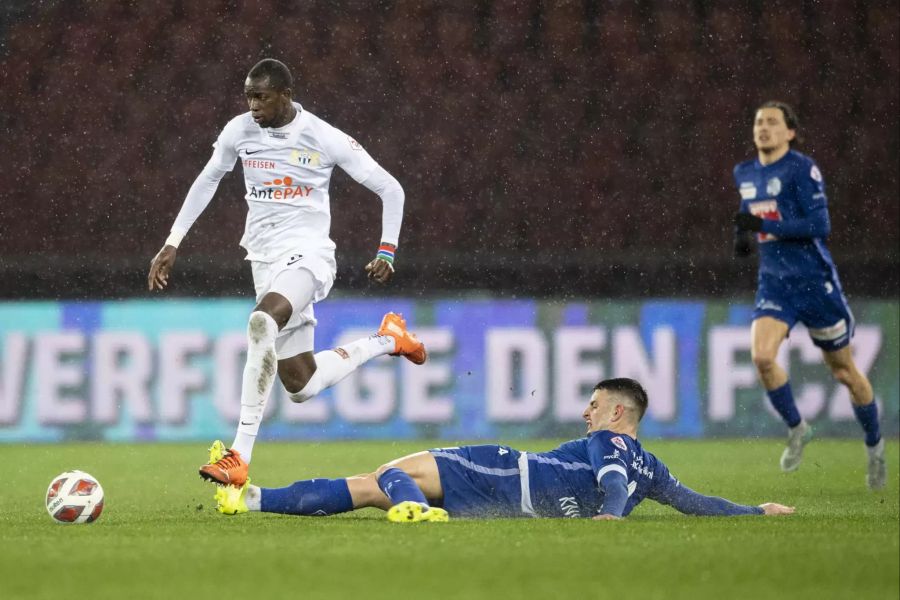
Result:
296,336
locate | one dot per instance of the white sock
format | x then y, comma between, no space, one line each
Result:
877,449
259,374
334,365
253,498
799,426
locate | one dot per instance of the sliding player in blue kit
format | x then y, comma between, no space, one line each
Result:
783,204
603,475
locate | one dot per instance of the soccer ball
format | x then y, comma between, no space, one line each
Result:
74,497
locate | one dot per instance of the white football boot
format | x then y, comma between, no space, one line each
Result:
876,476
798,437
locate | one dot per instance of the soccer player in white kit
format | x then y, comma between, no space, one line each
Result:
288,155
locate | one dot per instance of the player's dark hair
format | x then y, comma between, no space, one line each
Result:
275,71
790,117
627,387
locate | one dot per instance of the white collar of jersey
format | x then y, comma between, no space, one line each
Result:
287,133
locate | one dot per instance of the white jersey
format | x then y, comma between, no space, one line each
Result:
287,172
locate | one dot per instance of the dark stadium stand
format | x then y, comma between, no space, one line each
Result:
581,147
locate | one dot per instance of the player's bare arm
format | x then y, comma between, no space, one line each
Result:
160,267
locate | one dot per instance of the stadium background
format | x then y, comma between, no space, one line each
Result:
567,167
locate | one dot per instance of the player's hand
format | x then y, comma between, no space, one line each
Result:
606,518
160,266
380,270
747,222
772,509
743,244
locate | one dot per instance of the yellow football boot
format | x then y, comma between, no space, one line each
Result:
413,512
232,500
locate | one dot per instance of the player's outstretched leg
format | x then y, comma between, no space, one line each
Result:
225,467
798,437
401,487
310,497
333,365
876,475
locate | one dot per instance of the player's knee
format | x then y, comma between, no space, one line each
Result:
843,374
386,467
301,383
763,362
261,328
300,376
365,492
300,389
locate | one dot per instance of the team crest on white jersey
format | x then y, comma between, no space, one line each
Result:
619,442
304,158
748,190
773,186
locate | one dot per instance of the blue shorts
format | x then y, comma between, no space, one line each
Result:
817,303
480,481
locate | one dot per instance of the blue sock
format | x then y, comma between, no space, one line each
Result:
399,487
319,497
867,415
783,401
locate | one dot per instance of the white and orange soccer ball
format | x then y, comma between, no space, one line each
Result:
74,497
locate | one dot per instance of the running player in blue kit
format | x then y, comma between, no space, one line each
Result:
603,475
783,204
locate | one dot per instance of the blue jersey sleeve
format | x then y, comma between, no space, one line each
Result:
810,196
607,452
670,491
734,173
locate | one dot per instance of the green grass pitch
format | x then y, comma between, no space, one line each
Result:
159,536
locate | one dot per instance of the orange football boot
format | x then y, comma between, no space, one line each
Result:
228,470
406,343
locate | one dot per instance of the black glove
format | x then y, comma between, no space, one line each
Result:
743,244
747,222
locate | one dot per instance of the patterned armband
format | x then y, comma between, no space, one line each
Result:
386,253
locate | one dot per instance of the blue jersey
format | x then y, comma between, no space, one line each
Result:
604,471
789,195
565,482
